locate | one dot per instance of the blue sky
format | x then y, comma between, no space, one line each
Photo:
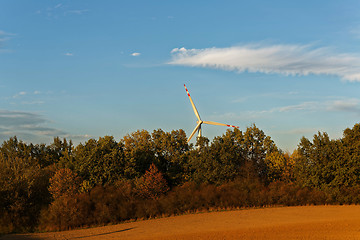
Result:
86,69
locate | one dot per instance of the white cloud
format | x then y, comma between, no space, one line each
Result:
32,102
57,6
26,98
342,105
77,12
179,50
69,54
335,105
78,137
4,36
19,94
301,106
301,131
348,105
3,33
279,59
60,10
135,54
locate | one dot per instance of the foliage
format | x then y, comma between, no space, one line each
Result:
23,186
152,184
144,175
170,150
235,154
325,163
64,182
139,153
99,162
112,204
280,167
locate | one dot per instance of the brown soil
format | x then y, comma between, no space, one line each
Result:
312,222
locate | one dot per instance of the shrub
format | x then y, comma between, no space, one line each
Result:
66,213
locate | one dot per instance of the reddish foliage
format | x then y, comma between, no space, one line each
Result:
64,182
152,184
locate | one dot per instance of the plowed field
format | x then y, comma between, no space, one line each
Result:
312,222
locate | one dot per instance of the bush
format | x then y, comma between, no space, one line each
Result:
66,213
6,226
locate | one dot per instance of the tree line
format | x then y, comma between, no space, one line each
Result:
61,186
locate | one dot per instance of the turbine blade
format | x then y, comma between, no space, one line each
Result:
192,104
220,124
192,134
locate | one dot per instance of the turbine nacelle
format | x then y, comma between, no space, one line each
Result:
199,121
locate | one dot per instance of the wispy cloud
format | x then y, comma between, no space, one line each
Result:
4,36
19,118
36,102
343,105
349,105
26,125
77,12
355,31
302,106
60,10
279,59
69,54
58,5
26,98
135,54
301,131
272,95
19,94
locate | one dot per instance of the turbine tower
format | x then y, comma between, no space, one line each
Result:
199,121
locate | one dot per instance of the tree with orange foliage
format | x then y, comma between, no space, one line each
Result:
152,184
64,182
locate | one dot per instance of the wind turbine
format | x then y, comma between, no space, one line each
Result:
199,121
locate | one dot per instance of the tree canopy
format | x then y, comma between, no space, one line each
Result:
38,180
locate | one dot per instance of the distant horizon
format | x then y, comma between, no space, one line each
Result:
88,69
193,141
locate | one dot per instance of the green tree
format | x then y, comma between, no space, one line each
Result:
229,155
348,161
316,161
23,186
257,146
201,167
170,154
99,162
56,151
139,153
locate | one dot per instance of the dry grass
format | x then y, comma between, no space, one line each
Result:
312,222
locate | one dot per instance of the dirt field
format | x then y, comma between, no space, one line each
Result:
313,222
